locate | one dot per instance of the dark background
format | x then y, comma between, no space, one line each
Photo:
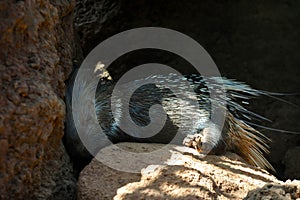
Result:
256,42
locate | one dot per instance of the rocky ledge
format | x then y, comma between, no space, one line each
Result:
176,173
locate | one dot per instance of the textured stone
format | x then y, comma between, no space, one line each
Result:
285,191
35,59
175,173
94,20
292,162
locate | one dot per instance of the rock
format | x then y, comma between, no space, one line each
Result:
36,42
174,173
292,163
94,20
286,191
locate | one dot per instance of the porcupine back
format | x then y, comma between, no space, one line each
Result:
237,135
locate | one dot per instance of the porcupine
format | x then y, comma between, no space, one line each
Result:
236,136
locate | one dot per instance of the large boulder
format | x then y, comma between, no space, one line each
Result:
36,44
175,173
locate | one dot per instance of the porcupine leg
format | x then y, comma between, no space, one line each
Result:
193,141
206,142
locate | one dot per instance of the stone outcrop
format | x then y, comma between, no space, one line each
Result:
175,173
95,20
284,191
36,45
292,163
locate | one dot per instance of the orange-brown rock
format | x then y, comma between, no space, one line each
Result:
36,38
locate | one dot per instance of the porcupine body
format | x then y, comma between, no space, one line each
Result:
196,128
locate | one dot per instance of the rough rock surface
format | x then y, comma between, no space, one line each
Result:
292,162
286,191
175,173
35,59
94,20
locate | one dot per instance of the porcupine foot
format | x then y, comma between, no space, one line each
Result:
196,141
193,141
200,142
